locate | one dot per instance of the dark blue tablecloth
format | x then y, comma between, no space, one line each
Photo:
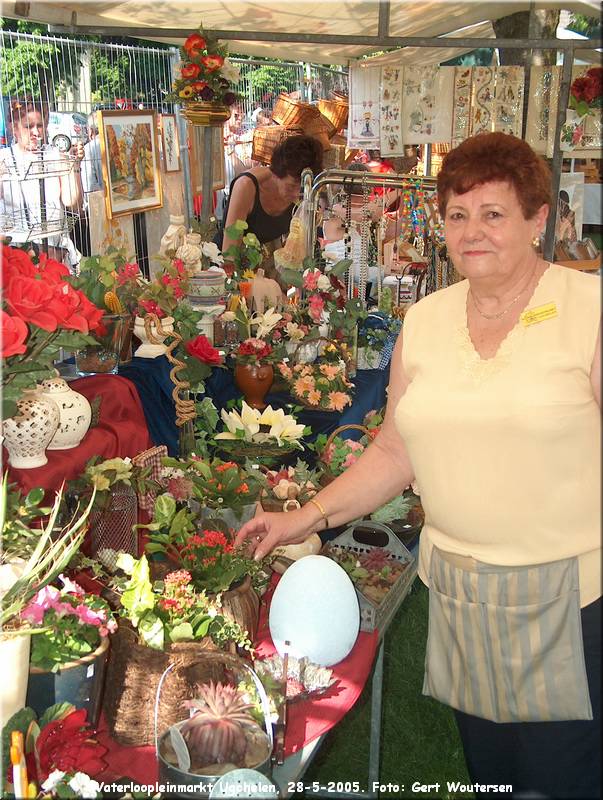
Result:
151,377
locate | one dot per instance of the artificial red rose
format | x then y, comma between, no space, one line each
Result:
67,744
198,86
14,334
92,314
29,299
212,63
16,262
190,71
195,44
52,271
579,87
67,307
201,348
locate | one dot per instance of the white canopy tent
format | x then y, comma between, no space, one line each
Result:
327,32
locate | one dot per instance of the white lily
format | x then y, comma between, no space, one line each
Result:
265,322
283,427
247,421
212,251
324,284
230,71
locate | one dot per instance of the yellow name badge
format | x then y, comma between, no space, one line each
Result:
539,314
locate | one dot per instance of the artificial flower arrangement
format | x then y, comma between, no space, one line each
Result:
74,623
319,385
41,313
175,609
376,338
162,295
243,256
336,454
110,281
268,427
586,92
254,331
294,483
205,73
60,750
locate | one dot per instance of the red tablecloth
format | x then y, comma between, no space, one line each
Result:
306,720
122,431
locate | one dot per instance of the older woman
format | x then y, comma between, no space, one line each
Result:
494,407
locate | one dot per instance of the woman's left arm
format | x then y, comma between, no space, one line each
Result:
595,372
71,184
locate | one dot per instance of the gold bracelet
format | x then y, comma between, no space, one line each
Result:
321,509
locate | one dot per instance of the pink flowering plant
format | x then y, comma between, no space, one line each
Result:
335,456
67,623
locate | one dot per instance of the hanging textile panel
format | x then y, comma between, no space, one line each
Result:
392,143
363,120
497,100
427,104
542,108
461,118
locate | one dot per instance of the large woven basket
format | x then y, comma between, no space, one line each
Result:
133,676
267,137
293,113
336,111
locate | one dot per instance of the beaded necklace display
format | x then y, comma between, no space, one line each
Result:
364,242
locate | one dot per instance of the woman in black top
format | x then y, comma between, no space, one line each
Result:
265,196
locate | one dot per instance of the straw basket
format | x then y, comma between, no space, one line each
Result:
327,476
292,113
133,677
267,137
321,129
336,111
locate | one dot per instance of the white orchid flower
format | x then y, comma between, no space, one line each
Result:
294,332
230,71
283,427
265,322
55,777
84,786
247,421
212,251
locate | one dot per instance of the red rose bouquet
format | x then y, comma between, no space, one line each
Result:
41,313
586,91
205,74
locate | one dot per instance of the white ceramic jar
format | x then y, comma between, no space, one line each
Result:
75,413
29,432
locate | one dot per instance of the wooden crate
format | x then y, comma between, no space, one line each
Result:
266,138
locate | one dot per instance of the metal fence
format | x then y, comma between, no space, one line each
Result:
65,75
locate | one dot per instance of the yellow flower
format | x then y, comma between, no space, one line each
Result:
186,92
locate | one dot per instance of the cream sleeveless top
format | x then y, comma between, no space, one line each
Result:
507,450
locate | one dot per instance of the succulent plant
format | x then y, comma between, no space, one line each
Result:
376,559
215,734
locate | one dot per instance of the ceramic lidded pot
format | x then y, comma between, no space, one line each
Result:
74,413
28,433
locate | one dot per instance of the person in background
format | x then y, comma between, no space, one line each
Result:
20,196
92,172
494,407
265,197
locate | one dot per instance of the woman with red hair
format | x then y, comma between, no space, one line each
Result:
494,409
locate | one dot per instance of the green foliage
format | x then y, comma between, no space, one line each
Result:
587,26
29,69
270,78
397,508
205,425
18,538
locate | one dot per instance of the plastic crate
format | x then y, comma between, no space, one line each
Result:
373,616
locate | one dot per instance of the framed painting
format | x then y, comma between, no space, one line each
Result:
130,161
169,143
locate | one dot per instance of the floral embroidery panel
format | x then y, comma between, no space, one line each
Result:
391,111
542,108
497,100
461,118
364,122
427,104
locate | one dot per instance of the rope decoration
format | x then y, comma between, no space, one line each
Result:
185,407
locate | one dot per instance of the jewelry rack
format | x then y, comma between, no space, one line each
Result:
349,179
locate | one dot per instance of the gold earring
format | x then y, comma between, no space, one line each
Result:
535,241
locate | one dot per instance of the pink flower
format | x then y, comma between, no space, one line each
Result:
338,400
46,598
70,587
151,307
311,279
355,446
88,616
350,459
315,307
180,488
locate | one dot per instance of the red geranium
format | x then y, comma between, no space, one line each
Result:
201,349
190,71
29,299
67,744
212,63
151,307
195,44
14,334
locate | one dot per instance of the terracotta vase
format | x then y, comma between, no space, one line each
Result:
254,381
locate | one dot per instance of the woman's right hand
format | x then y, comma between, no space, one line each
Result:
266,531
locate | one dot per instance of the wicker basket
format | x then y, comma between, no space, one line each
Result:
327,477
292,113
267,137
133,676
336,111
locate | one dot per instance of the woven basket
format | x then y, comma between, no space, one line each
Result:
133,676
327,477
335,111
292,113
267,137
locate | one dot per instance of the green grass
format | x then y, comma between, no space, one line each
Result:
419,738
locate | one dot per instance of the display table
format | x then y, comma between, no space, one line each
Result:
307,720
121,431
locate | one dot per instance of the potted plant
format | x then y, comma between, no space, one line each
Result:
243,257
157,301
376,338
288,487
34,559
69,653
219,736
165,622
